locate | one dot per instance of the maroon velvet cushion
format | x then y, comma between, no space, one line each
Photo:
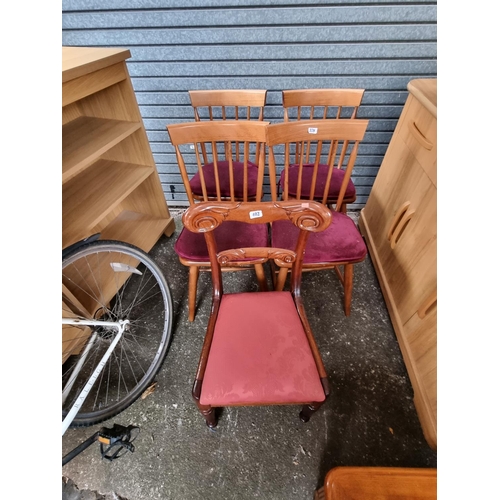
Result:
223,169
307,174
260,354
231,234
340,241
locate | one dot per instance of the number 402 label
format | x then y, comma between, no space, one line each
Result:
255,214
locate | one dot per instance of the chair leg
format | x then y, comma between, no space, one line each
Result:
208,413
194,272
261,277
348,280
308,410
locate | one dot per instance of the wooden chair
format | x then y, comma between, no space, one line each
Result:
259,348
335,144
217,105
233,178
311,104
379,483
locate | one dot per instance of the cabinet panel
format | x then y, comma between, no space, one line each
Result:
402,222
86,85
399,223
420,339
409,257
419,132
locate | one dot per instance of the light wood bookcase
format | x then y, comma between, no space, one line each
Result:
109,179
399,223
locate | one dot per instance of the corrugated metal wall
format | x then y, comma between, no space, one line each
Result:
268,44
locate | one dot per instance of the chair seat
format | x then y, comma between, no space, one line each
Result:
341,241
307,174
223,169
192,246
260,354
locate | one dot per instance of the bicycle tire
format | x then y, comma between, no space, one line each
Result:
102,280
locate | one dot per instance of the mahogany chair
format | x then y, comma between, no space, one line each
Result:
314,104
234,177
259,348
217,105
335,144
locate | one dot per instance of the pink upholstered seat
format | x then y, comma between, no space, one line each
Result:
260,354
223,170
339,242
319,188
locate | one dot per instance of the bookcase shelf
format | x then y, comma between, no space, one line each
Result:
109,179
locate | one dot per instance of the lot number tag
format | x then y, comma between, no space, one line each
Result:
255,214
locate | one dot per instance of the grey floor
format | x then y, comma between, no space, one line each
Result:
262,452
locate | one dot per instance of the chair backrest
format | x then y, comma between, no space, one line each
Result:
235,150
228,104
333,143
308,216
314,104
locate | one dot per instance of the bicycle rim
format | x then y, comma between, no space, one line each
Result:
111,281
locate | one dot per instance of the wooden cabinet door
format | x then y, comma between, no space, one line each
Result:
402,222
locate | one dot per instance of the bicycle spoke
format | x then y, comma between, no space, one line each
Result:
103,276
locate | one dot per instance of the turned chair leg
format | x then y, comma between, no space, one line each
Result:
208,413
308,410
348,280
194,272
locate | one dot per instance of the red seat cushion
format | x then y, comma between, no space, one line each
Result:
260,354
341,241
307,174
223,170
231,234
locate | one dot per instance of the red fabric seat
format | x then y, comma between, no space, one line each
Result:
319,188
192,246
339,242
223,169
260,354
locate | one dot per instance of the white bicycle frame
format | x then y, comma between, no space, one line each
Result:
120,327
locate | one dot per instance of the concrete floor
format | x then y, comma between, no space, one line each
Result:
262,452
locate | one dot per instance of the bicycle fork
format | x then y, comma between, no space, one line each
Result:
120,327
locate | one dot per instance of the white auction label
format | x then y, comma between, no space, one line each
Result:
312,130
256,214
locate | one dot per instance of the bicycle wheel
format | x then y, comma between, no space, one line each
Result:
112,281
